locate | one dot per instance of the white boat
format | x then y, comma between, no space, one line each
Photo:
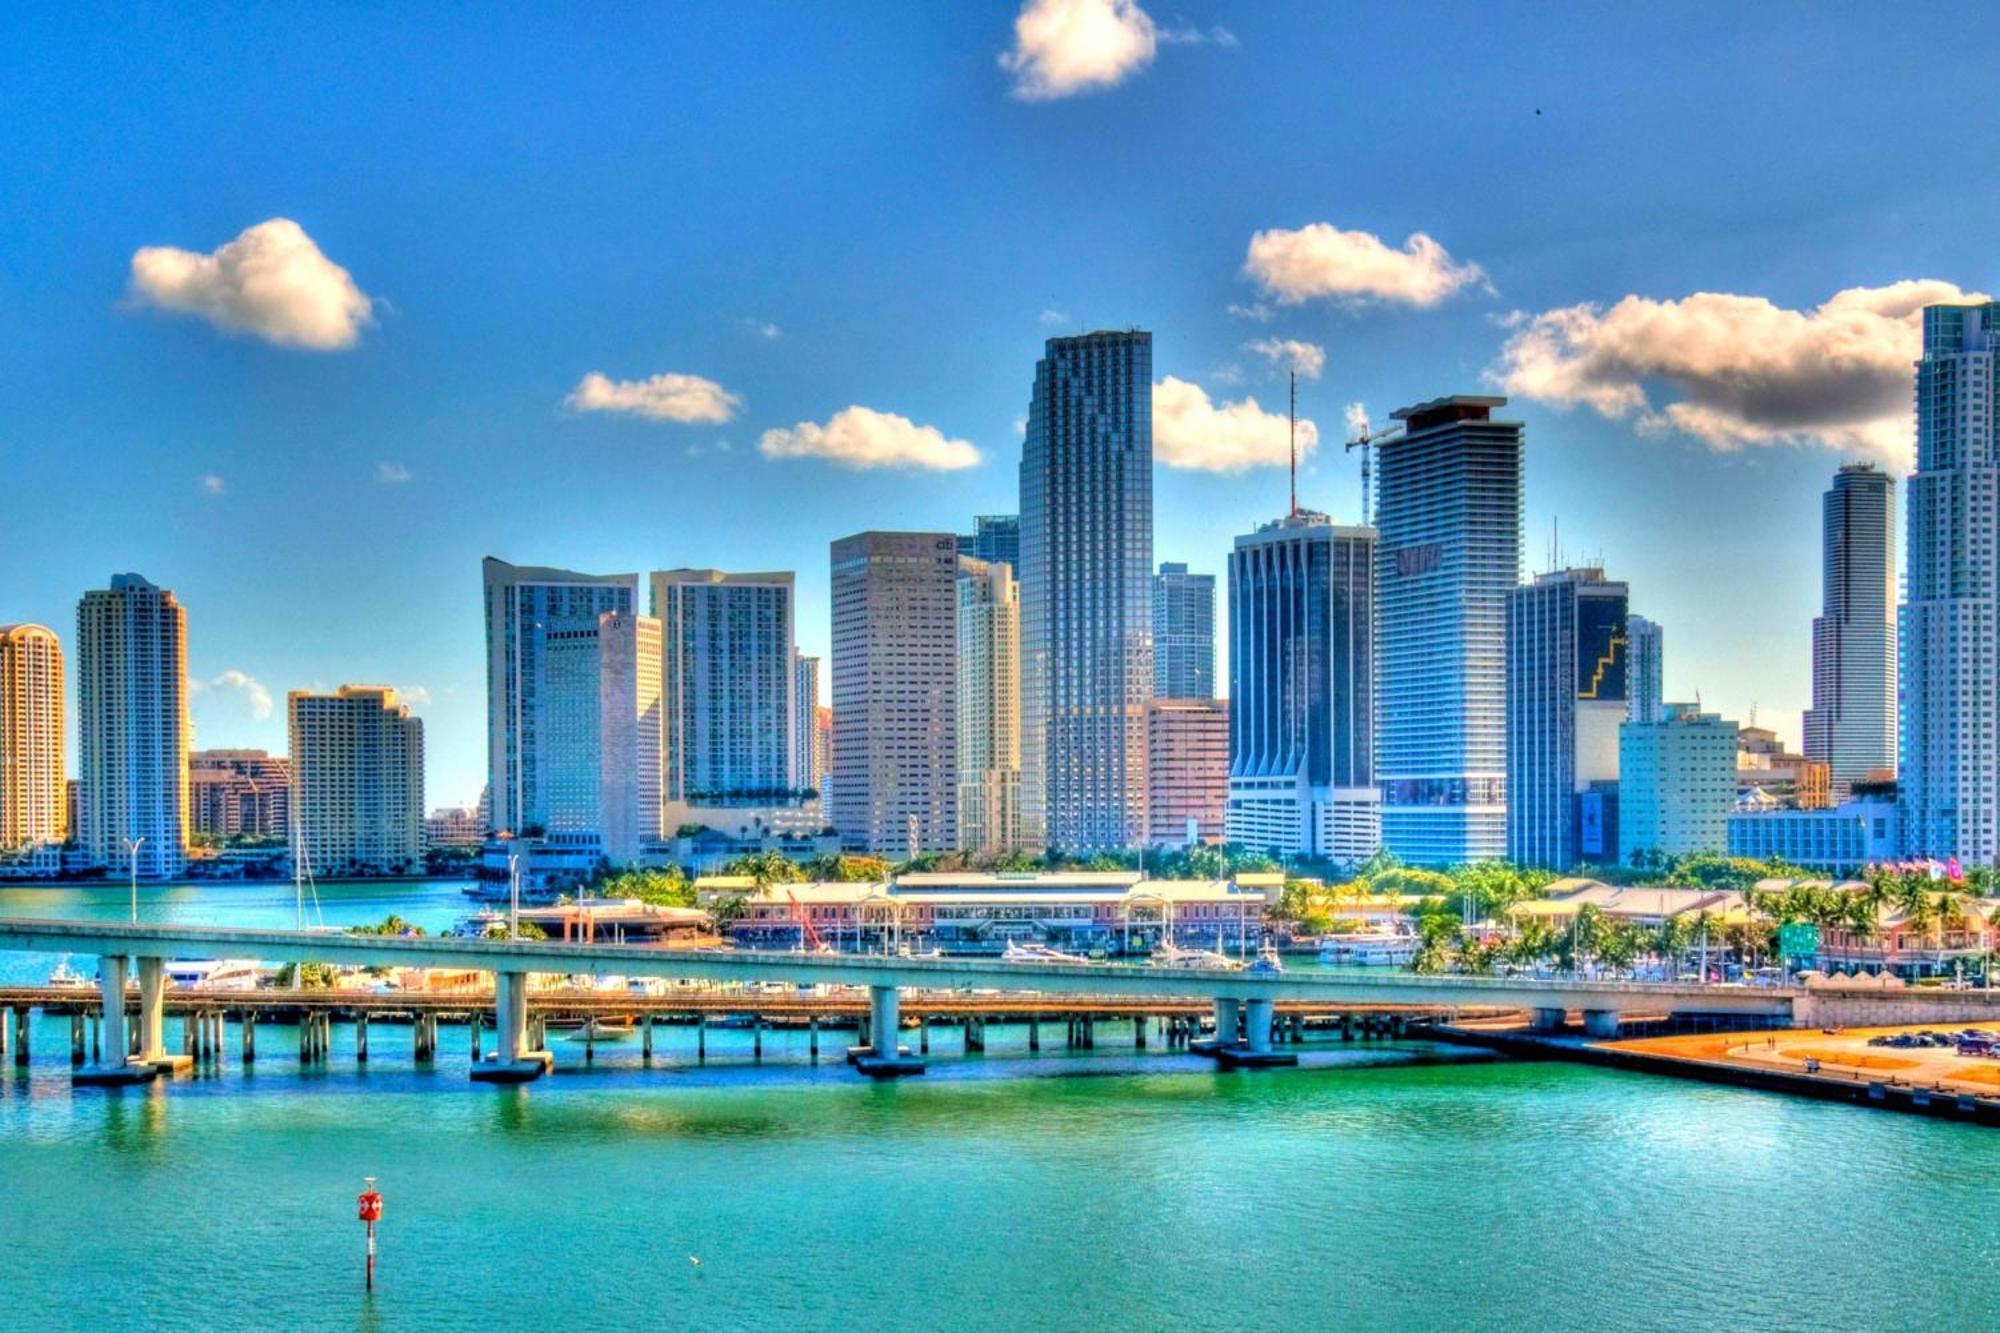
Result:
1173,955
1368,950
1017,952
602,1029
66,977
215,974
1267,959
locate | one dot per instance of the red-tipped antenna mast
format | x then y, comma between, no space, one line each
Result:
1295,443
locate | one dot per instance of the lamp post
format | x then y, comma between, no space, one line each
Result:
132,846
514,895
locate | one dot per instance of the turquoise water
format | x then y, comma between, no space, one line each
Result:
1001,1192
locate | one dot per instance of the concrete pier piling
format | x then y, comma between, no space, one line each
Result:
361,1038
883,1054
21,1037
923,1036
701,1039
75,1040
646,1038
1139,1033
249,1036
474,1027
757,1040
1035,1034
812,1039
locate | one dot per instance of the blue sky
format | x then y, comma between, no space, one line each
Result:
521,198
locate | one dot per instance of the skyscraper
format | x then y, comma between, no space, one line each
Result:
995,538
728,675
524,605
1851,726
989,707
1449,492
602,724
1950,677
1567,658
1086,592
1302,690
1183,633
1187,771
1676,783
895,665
132,727
33,808
358,782
807,773
1645,677
239,793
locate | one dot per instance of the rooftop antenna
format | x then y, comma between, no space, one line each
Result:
1294,420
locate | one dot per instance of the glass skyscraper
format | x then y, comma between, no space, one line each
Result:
996,539
729,686
1567,661
1449,512
1851,726
1086,592
1645,680
1183,633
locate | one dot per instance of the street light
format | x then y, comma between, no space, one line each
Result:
132,846
513,895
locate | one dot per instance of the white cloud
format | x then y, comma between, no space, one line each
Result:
1052,318
764,329
1256,312
1746,371
663,397
1064,47
1321,260
245,686
1189,35
1308,359
211,484
392,474
1189,431
860,437
271,281
417,696
1356,418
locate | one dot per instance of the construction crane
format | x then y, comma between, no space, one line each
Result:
1365,442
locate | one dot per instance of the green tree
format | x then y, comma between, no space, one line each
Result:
766,868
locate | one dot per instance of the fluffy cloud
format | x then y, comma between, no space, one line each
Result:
1746,371
392,474
1356,417
243,685
1308,359
271,281
1321,260
1189,431
663,397
211,484
860,437
1064,47
764,329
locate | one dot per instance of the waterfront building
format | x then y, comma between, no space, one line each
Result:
357,782
989,707
895,667
1851,726
1449,510
33,785
603,718
1862,831
1302,690
1567,660
132,728
1183,633
1187,771
729,678
996,539
1645,676
239,793
1086,592
454,827
1676,783
1950,663
808,772
524,605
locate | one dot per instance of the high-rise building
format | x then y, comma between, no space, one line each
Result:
1187,771
453,826
996,539
524,605
1567,660
132,727
1645,677
603,724
239,793
729,678
1183,633
807,774
1449,510
1302,690
357,782
1087,592
895,665
1950,657
1676,783
989,707
33,785
1851,726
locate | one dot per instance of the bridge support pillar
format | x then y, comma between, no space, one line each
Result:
513,1061
1547,1020
1257,1016
1600,1022
21,1014
249,1036
152,1033
1228,1020
115,1068
884,1057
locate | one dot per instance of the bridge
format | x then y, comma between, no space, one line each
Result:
1243,1002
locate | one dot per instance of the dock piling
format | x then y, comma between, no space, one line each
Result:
249,1036
361,1038
76,1039
646,1039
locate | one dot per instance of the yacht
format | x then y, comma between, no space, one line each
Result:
602,1029
215,974
66,977
1368,949
1267,959
1173,955
1017,952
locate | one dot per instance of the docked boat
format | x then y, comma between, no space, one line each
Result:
66,977
602,1029
1368,949
1017,952
1173,955
1268,963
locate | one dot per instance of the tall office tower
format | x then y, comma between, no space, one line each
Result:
895,665
1187,771
1851,726
989,707
1645,673
1567,664
1302,690
807,775
33,786
1676,783
603,723
132,727
1449,508
1183,633
1950,674
996,539
239,793
524,605
727,671
357,780
1087,592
